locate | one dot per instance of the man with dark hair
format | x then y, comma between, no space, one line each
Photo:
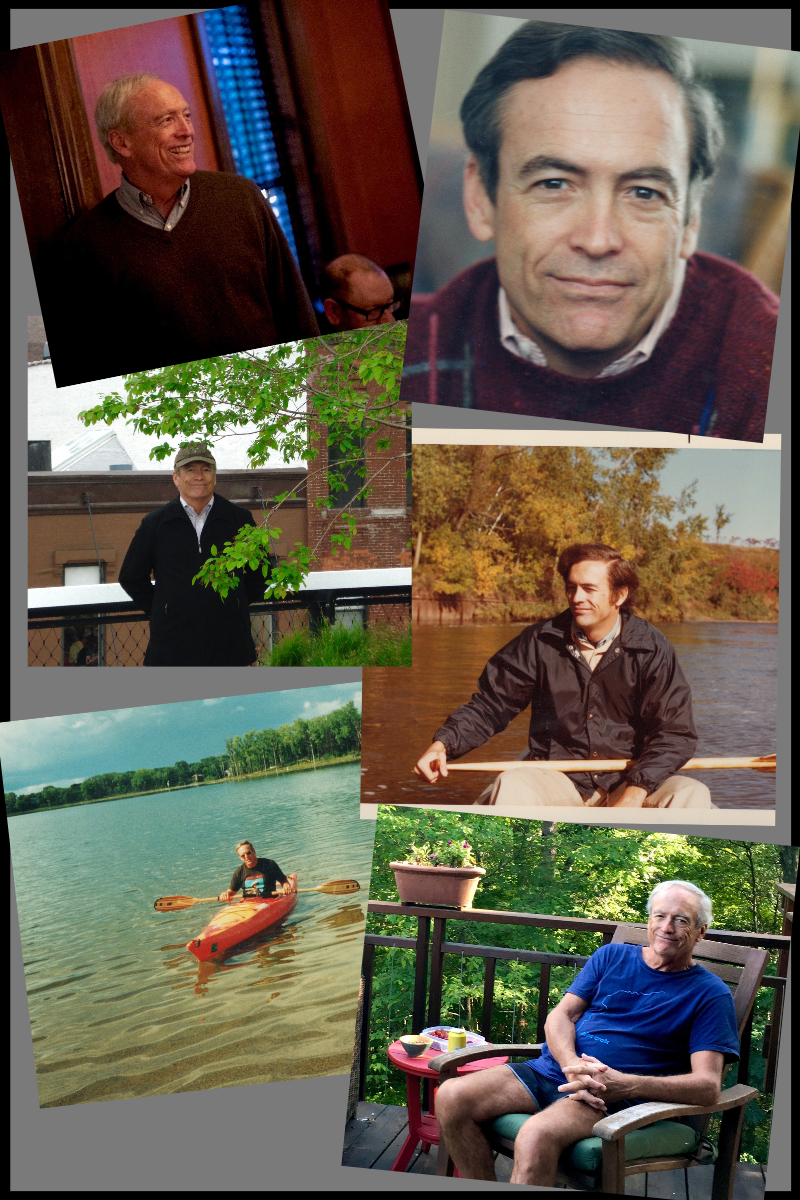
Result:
191,625
177,264
589,152
602,684
357,292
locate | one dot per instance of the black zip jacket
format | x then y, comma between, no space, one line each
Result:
636,704
190,625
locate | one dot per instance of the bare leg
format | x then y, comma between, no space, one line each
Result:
541,1140
462,1103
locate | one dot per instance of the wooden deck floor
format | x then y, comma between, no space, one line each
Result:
374,1136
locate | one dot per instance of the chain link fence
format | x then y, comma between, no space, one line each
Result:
92,639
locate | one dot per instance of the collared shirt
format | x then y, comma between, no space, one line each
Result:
522,347
593,651
143,207
197,519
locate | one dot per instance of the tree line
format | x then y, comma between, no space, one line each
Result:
491,521
318,739
565,870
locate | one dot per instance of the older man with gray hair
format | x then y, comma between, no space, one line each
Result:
191,625
177,264
636,1024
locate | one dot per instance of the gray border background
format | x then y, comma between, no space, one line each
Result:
286,1136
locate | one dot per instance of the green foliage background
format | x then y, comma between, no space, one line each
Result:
332,735
566,870
491,521
288,401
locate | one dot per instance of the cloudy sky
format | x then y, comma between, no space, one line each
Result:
63,750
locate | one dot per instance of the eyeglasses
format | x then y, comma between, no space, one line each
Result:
371,314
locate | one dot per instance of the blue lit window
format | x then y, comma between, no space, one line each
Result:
236,65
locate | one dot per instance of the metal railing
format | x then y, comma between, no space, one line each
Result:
430,947
114,632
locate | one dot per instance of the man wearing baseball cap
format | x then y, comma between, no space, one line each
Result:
191,625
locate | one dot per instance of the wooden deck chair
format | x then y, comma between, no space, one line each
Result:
653,1136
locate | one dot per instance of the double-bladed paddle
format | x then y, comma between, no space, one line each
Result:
336,887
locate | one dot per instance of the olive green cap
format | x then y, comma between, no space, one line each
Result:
194,452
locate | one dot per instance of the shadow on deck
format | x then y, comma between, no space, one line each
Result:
374,1136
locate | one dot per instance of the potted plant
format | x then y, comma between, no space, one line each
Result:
444,874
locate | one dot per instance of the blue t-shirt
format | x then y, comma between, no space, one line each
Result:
646,1022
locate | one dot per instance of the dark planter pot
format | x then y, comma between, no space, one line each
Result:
449,887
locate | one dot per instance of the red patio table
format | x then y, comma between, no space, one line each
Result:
423,1127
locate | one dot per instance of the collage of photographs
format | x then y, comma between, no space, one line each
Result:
433,362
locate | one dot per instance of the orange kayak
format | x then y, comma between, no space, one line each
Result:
238,921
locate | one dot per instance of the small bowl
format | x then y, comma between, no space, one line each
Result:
415,1044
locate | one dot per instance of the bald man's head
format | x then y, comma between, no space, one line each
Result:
357,292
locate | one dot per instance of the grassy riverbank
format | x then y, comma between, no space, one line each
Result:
306,765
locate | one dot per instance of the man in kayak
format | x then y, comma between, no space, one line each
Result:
602,684
257,877
637,1024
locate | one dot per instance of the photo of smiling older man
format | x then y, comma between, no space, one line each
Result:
588,154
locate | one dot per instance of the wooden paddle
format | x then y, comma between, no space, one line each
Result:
766,763
337,887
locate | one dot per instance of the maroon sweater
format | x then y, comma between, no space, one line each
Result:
709,372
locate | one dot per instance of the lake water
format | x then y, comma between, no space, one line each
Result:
732,668
120,1008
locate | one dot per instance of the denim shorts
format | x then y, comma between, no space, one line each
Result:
544,1091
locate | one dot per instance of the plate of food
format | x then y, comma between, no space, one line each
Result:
438,1035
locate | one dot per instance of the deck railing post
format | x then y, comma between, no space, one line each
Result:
437,970
487,1011
777,1013
367,969
420,974
544,998
744,1050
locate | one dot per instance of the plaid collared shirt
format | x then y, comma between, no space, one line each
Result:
143,207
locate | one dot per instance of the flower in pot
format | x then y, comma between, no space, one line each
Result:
444,874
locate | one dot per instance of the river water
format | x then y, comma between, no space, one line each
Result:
732,668
120,1008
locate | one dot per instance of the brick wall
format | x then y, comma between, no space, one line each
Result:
60,533
383,527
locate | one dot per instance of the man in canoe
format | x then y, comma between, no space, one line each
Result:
637,1024
257,877
602,683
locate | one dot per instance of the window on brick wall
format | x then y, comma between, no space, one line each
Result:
408,460
344,464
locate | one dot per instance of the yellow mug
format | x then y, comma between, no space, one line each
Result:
456,1039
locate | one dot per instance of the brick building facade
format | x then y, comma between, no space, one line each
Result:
382,514
60,530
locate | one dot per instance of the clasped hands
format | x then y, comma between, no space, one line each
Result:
594,1082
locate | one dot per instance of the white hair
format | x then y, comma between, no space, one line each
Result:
704,910
111,110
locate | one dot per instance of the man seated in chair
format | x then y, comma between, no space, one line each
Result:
637,1024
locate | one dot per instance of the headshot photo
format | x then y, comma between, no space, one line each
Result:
205,185
604,226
